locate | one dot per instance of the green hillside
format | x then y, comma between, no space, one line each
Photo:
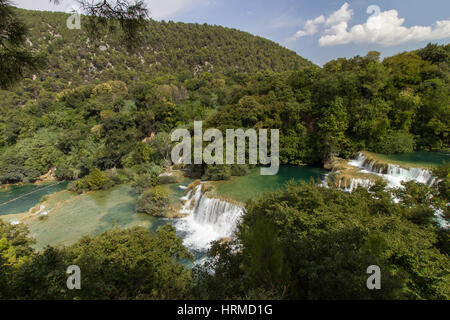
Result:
74,58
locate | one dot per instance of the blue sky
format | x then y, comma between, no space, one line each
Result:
318,30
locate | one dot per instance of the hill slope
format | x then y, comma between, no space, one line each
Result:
73,58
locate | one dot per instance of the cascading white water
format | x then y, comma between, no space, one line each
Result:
392,173
207,220
395,175
355,183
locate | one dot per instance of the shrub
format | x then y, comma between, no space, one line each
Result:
96,179
154,202
148,168
72,186
217,172
239,170
64,171
143,182
167,179
113,176
127,174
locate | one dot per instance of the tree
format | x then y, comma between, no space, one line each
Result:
117,264
311,242
130,15
435,53
14,58
162,145
332,126
131,264
15,250
217,172
264,261
96,179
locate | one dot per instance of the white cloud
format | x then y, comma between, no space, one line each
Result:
344,14
311,28
383,28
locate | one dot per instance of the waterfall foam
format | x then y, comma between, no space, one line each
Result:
207,219
355,183
392,173
395,175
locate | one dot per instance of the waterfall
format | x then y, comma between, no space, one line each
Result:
392,173
207,220
395,175
355,183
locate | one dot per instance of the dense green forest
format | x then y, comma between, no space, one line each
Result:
101,115
396,105
75,57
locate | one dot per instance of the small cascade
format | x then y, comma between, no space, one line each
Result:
394,174
207,220
355,183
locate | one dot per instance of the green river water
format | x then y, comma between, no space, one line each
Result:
22,198
252,185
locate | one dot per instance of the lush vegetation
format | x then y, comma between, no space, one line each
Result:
75,57
154,202
118,264
15,59
101,115
311,242
302,242
396,105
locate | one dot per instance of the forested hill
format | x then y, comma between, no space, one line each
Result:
75,58
96,106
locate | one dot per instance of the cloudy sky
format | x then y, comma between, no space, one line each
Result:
318,30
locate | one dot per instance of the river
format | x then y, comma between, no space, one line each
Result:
69,216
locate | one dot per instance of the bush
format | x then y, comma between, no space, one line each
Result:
167,179
64,171
95,180
143,182
239,170
12,173
127,174
72,186
113,176
148,168
217,172
154,202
